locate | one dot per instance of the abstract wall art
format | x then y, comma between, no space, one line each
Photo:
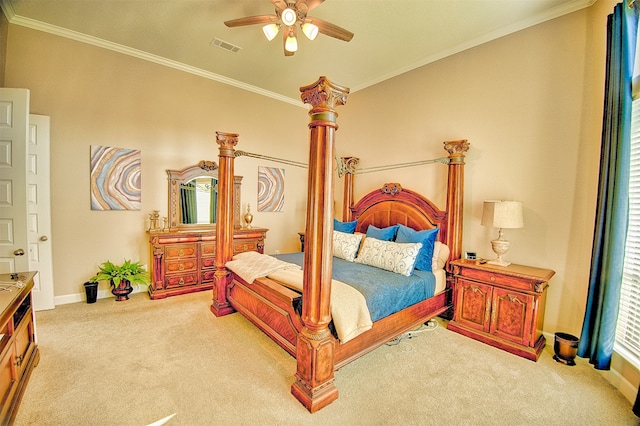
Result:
115,178
270,189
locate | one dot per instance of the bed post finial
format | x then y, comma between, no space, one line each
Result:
314,386
455,195
348,166
224,222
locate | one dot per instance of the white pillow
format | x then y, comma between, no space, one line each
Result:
388,255
345,246
440,256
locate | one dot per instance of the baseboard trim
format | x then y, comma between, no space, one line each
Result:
102,294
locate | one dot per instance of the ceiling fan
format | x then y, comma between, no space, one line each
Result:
290,14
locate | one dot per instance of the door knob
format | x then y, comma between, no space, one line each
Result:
44,238
19,252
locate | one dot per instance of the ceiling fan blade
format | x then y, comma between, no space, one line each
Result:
251,20
330,29
280,4
305,6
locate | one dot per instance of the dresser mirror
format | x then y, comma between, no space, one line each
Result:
193,196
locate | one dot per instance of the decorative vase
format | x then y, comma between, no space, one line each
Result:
565,347
122,291
248,217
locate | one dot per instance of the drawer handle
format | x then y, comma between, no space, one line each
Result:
181,267
492,278
181,252
18,360
181,282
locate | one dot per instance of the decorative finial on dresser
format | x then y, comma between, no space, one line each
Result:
248,217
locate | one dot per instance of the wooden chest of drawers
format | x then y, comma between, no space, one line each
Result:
19,353
501,306
184,262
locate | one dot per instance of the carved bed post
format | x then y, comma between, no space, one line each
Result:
314,386
224,223
455,195
349,164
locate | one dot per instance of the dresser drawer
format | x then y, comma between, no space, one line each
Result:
208,249
181,250
242,246
499,279
181,265
173,281
208,262
207,276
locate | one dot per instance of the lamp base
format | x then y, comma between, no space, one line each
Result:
499,262
500,247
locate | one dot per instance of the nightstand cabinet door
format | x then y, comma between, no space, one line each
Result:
511,315
474,304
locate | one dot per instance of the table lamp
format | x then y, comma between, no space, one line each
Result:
502,215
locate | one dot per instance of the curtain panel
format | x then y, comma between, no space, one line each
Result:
607,261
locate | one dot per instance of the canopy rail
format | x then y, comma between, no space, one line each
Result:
348,165
239,153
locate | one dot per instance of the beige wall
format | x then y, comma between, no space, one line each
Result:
98,97
519,101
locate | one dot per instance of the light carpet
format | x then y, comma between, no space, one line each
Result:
140,361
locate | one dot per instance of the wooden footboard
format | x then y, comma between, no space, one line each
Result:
272,308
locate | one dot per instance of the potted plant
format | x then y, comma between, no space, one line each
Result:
121,277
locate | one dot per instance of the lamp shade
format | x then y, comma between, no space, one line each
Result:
291,44
270,31
310,30
502,214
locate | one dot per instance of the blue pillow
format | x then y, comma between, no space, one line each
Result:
428,240
382,234
347,227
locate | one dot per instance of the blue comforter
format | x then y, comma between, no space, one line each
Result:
385,292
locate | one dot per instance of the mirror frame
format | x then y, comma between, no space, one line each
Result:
177,177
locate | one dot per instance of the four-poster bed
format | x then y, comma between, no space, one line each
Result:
300,322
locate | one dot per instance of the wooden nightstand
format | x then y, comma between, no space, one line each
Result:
502,306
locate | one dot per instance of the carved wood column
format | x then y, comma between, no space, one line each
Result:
349,164
224,222
314,386
455,198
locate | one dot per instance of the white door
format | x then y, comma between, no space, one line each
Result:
14,116
39,212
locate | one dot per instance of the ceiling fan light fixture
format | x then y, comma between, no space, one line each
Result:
271,31
291,45
310,30
289,16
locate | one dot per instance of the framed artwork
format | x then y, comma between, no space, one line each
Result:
270,189
115,178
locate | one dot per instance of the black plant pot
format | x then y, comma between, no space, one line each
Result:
92,292
122,291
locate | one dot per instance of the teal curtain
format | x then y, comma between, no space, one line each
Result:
610,234
188,201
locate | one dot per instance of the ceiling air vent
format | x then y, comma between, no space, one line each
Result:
225,45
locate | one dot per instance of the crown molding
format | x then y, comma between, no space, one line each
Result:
563,9
98,42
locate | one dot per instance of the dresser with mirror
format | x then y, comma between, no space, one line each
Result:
183,252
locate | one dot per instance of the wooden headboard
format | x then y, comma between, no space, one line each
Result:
393,204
